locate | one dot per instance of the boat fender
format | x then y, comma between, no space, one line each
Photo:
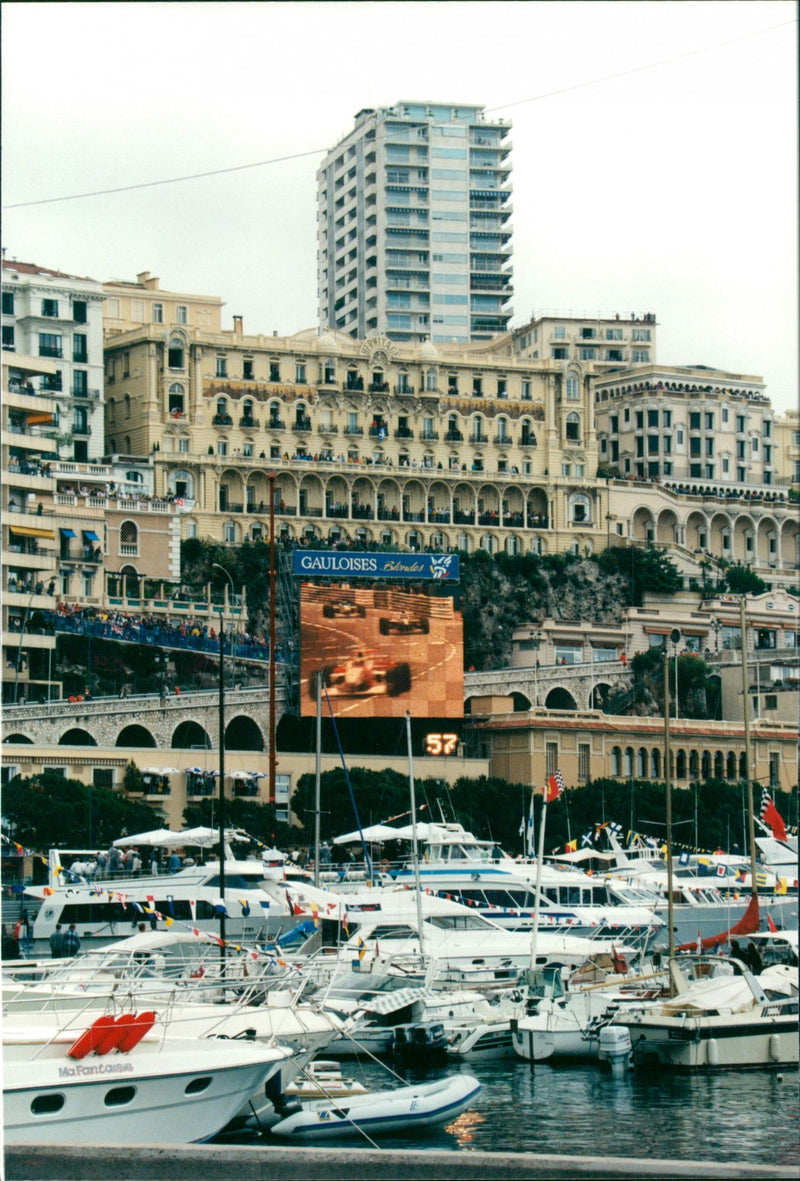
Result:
775,1047
713,1052
90,1038
133,1029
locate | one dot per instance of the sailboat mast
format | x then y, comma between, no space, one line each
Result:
414,842
748,746
668,787
317,779
537,894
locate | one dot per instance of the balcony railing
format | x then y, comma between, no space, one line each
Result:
354,430
222,420
276,424
302,424
249,422
403,432
404,389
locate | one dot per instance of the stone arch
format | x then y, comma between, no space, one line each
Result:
719,765
643,526
135,735
642,762
790,544
767,541
730,768
694,764
743,765
599,694
680,764
667,528
697,531
655,763
190,734
628,763
464,504
521,703
721,536
489,506
181,484
76,737
242,733
560,698
19,738
744,538
616,760
705,765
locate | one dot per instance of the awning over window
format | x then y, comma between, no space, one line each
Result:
90,535
30,531
68,533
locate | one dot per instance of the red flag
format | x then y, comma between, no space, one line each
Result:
772,817
771,923
553,788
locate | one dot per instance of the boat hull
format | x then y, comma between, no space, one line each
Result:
709,1044
157,1096
383,1111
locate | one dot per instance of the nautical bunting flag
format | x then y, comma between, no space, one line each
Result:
571,846
245,905
771,816
554,787
587,839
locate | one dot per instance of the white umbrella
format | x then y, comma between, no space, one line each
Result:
156,837
206,837
406,833
375,832
160,771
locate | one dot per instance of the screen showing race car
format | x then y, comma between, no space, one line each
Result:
380,652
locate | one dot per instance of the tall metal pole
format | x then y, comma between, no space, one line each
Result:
272,759
668,785
221,793
414,841
748,747
317,778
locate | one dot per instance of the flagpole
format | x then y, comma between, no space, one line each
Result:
748,747
414,841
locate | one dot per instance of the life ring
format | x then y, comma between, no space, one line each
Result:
384,866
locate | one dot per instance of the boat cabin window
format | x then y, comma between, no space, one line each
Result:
117,912
393,932
544,982
457,922
119,1096
47,1104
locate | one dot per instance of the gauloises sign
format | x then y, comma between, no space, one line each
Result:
361,564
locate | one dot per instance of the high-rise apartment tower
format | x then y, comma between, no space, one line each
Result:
414,232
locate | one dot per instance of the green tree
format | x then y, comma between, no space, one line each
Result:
648,569
49,811
741,580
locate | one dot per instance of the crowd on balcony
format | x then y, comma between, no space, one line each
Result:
157,630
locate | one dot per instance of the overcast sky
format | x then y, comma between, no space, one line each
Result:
670,190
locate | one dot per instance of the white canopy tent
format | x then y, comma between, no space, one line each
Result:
373,832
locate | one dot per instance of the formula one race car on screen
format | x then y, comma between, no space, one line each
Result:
343,607
401,623
364,675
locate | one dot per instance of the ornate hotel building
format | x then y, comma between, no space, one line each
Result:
373,442
413,230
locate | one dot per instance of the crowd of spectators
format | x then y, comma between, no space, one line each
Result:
158,630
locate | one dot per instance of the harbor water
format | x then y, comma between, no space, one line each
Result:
584,1110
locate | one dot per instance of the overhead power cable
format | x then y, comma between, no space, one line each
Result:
320,151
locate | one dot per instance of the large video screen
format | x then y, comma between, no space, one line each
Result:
380,652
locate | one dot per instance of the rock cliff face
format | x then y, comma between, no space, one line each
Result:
499,596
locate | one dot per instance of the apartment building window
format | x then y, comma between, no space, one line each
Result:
740,424
274,371
613,354
640,334
559,354
709,448
50,345
755,446
80,347
183,444
8,337
300,372
613,334
175,355
247,370
767,428
667,418
221,369
588,354
80,310
584,758
640,355
158,313
559,332
639,420
222,447
741,449
573,388
588,334
502,387
8,303
551,758
767,450
709,422
181,314
50,308
526,391
695,420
